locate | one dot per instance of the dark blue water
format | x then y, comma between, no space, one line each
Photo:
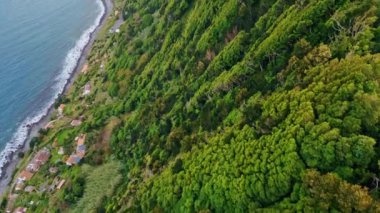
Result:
40,43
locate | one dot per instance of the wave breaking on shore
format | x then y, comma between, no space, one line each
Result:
71,62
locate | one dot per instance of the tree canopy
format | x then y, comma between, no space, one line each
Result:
231,106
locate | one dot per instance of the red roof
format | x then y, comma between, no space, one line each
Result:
42,156
73,159
25,175
20,210
81,140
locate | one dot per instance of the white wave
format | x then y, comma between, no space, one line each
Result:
69,65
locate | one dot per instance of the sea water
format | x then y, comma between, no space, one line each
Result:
40,44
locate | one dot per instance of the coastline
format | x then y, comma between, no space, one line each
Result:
10,166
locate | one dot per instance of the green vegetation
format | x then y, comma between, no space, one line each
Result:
225,106
100,183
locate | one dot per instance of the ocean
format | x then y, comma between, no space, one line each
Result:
40,44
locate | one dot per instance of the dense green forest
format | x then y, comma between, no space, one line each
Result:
226,106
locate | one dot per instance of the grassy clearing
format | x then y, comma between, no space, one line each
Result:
100,183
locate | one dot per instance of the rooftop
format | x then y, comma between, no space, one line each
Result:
61,184
42,156
25,175
87,89
19,186
53,170
73,159
49,125
62,106
61,151
29,189
81,139
20,210
76,122
32,167
60,109
81,148
85,68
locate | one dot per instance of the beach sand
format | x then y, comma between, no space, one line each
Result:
12,165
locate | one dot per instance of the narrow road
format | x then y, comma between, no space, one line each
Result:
117,24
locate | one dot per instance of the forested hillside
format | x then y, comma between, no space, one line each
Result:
226,106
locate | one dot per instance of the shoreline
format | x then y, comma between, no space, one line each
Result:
10,167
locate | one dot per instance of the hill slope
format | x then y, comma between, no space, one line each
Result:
227,106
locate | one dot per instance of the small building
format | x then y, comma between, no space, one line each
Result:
20,210
61,151
87,89
30,189
32,167
60,109
85,69
19,186
81,150
60,184
76,123
42,156
81,139
39,159
53,170
73,160
49,125
25,176
102,66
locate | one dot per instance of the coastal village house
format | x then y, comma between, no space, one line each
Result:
20,210
39,159
76,122
34,165
19,185
73,160
30,189
49,125
85,69
80,139
79,152
87,89
53,170
61,151
60,109
25,176
60,184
